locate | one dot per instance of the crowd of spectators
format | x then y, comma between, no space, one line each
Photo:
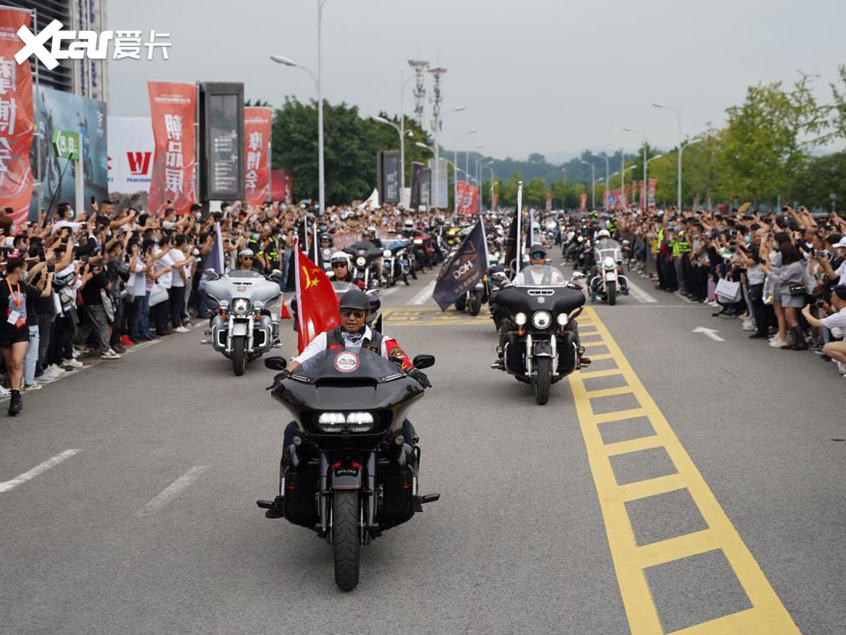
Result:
783,273
96,282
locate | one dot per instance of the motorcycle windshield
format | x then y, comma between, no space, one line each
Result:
558,299
354,364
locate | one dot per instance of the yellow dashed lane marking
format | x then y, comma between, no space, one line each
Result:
767,614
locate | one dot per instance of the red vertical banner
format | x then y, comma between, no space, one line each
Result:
606,197
462,201
653,184
582,202
548,207
256,144
495,201
16,117
173,108
282,186
472,199
642,196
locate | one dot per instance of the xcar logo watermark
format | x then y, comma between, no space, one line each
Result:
90,44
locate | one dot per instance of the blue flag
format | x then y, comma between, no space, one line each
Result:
214,259
464,269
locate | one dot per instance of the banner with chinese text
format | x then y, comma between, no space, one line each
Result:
256,151
173,108
16,117
467,198
653,184
582,202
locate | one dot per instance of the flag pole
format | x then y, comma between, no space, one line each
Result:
519,254
298,293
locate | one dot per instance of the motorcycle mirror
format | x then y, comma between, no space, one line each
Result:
423,361
275,363
577,275
276,275
211,274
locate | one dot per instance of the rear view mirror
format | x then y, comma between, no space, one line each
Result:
577,275
211,274
275,363
423,361
276,275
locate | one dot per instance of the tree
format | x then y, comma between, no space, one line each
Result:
819,178
535,192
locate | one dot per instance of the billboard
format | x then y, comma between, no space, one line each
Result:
131,149
257,123
282,186
221,145
16,114
58,110
440,198
388,176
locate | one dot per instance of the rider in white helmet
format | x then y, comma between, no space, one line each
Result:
341,266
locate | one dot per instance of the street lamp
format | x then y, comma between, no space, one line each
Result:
280,59
645,173
678,114
455,156
402,146
593,184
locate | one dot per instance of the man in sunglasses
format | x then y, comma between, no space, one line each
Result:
538,273
355,333
246,258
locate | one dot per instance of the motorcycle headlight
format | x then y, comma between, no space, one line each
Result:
360,261
332,422
520,319
609,262
418,241
541,319
224,305
387,253
561,319
258,305
339,422
241,306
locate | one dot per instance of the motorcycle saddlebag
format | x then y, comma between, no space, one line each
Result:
514,358
300,497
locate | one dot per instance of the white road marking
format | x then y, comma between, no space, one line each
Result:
172,491
639,294
141,346
424,295
38,469
712,333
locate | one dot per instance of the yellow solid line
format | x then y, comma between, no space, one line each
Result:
619,415
632,445
590,374
676,548
740,623
593,344
609,392
770,616
651,487
596,358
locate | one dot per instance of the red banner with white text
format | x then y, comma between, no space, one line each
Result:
173,108
653,184
467,198
582,202
256,151
282,186
16,117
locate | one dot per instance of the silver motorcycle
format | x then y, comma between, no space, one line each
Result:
246,322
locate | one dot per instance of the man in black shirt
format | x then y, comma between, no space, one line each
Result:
93,283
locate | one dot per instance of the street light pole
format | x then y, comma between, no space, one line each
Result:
593,184
678,113
321,177
645,188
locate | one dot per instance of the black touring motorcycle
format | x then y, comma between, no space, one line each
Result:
543,348
349,474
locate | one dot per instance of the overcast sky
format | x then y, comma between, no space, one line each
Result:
548,76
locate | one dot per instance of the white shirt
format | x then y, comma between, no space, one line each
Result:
841,271
139,280
65,223
835,321
164,260
177,256
533,276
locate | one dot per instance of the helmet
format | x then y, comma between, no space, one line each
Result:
537,247
246,252
409,224
355,299
325,236
340,256
603,233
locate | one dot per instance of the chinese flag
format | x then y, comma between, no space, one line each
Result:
317,304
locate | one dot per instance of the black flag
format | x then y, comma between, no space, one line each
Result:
466,267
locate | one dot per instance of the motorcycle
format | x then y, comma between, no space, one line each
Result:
477,296
364,256
609,278
349,474
243,328
543,349
395,264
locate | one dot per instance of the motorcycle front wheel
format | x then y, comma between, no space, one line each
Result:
475,304
346,539
239,355
611,292
543,379
461,303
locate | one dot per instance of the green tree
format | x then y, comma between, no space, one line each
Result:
819,178
535,192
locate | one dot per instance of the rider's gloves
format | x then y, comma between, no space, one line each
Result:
420,377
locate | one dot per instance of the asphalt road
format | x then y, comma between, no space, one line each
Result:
723,503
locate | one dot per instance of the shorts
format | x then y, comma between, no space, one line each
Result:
7,338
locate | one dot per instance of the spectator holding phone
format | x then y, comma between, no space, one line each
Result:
14,332
835,320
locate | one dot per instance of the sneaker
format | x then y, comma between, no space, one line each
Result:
181,329
46,377
31,387
499,364
841,368
126,341
4,392
72,363
55,369
748,325
777,342
109,354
